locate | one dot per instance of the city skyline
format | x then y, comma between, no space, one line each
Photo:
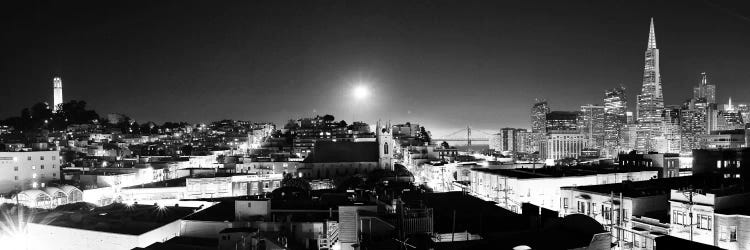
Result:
180,91
389,124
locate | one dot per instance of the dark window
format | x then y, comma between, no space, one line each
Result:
704,222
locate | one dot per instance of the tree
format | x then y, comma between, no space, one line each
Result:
290,181
221,158
187,150
349,182
424,135
444,145
110,146
342,124
328,118
291,124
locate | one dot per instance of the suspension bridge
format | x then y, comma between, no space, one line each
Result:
465,134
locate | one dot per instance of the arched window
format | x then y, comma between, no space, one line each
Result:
385,148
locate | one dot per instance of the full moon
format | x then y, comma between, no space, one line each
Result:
361,92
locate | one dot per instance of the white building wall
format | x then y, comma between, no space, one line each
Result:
160,234
543,192
19,170
63,238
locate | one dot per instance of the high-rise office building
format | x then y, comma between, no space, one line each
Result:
630,118
538,116
729,120
671,133
615,117
628,139
565,121
650,102
506,140
528,142
592,125
705,90
694,123
57,92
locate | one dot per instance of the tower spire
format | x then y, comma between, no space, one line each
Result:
652,36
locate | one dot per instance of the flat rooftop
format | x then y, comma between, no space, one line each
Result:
471,214
547,172
635,189
184,243
297,210
179,182
744,210
115,218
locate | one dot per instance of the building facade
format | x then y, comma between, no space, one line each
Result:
28,169
539,116
671,133
558,146
615,117
705,90
592,126
694,123
506,140
512,187
236,185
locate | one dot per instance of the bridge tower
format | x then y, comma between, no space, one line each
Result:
468,136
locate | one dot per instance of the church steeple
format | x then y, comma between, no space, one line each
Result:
652,36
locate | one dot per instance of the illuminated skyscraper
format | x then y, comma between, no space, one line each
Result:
57,92
694,124
615,117
729,118
506,140
539,116
562,122
650,104
744,110
705,90
671,131
592,125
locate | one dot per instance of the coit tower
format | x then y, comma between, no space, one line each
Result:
58,97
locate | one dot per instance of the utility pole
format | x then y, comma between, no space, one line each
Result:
612,215
505,189
619,222
690,209
453,228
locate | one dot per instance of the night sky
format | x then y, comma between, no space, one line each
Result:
439,63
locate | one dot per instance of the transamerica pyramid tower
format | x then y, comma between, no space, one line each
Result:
650,104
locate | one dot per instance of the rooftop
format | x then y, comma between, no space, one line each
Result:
184,243
326,151
309,210
115,218
635,189
238,230
179,182
472,214
744,210
547,172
